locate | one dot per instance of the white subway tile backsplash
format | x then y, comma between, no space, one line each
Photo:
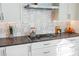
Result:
41,19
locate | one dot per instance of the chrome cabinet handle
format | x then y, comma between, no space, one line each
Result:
4,52
46,44
72,40
46,52
29,51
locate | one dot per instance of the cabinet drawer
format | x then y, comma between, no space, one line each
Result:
74,40
50,51
44,44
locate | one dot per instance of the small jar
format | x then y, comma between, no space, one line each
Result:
57,30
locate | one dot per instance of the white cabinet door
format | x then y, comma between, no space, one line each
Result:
2,52
17,50
45,44
74,40
11,11
72,11
77,11
63,11
67,11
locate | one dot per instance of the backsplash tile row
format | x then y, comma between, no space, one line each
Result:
22,29
41,19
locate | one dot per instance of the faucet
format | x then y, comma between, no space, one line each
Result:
33,31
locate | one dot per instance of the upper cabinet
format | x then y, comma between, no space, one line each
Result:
68,11
60,11
77,11
1,13
63,11
72,8
11,11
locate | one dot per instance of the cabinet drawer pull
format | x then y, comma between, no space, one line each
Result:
46,44
46,52
72,40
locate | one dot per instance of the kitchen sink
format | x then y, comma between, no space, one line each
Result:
41,37
44,36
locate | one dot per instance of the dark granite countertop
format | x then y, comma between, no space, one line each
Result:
14,41
25,40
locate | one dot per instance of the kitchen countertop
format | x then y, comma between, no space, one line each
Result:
14,41
25,40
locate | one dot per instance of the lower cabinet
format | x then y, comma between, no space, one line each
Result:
17,50
61,47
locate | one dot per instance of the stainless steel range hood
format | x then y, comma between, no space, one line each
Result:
42,5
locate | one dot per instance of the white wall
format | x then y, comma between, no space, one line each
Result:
41,19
